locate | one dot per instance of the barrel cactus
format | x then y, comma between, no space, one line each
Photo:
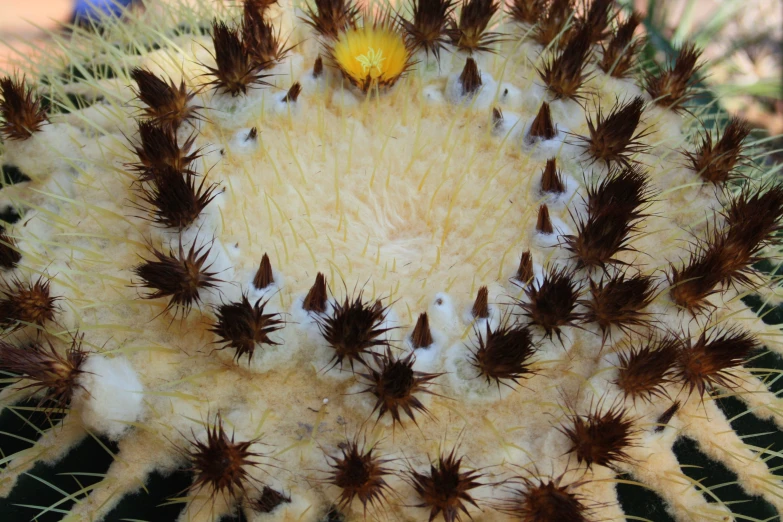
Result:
427,261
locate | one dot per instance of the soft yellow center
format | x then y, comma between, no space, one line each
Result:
377,52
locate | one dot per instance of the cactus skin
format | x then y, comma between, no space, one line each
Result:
452,336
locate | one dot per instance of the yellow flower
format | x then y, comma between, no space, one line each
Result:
373,55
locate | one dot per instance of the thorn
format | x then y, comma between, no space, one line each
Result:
318,67
470,79
421,336
252,135
544,223
525,270
293,93
551,179
264,275
315,300
542,126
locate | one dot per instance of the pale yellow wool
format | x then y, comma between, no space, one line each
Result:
401,195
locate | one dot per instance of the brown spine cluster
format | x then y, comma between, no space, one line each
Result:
445,490
542,126
614,137
395,385
615,208
27,303
175,199
600,438
546,500
242,327
180,276
621,51
45,370
20,109
429,28
315,300
159,149
525,270
470,33
353,329
597,20
707,362
552,179
527,11
359,473
619,300
715,162
504,354
166,104
470,78
264,276
220,464
644,369
262,41
236,69
421,336
331,16
726,256
552,305
553,23
672,86
563,73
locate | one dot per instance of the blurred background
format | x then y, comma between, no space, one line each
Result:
742,39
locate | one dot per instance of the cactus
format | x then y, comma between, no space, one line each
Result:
440,261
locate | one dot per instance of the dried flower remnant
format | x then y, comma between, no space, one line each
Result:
428,28
525,270
315,300
20,109
543,221
666,417
707,362
563,73
600,438
552,304
620,53
480,308
542,126
235,69
330,17
359,474
672,86
242,326
27,303
263,277
470,78
179,276
614,137
446,489
422,336
715,162
470,32
45,369
504,354
166,104
644,369
293,93
552,179
395,384
546,500
220,464
353,329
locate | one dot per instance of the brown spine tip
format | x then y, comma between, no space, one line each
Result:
497,118
9,253
26,303
672,86
446,488
315,300
597,20
330,17
242,326
563,73
174,199
470,33
293,93
527,11
542,126
221,465
20,109
481,305
359,473
619,54
263,43
504,354
396,385
167,104
552,304
546,500
600,438
263,277
429,26
159,149
318,67
235,68
614,137
666,417
619,300
544,222
551,179
715,162
470,78
421,336
552,23
525,270
252,135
